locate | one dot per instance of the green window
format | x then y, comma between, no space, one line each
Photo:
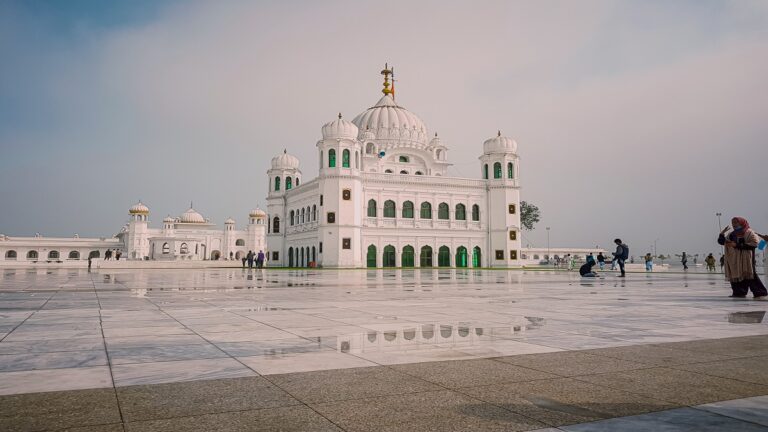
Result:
331,158
444,257
389,209
442,211
372,208
371,257
510,170
425,259
277,183
475,212
403,159
461,257
485,171
408,210
461,212
497,170
288,183
345,159
426,210
476,261
407,257
389,256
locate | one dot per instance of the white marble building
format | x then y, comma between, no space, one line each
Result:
189,237
383,198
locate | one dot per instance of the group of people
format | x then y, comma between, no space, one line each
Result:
740,242
619,258
252,258
108,255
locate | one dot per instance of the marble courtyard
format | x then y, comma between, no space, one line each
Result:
376,350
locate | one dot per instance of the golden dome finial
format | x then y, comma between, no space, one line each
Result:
339,116
386,72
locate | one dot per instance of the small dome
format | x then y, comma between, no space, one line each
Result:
340,129
191,216
229,221
257,213
285,161
367,136
169,219
436,142
139,208
500,144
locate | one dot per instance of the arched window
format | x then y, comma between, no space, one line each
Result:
183,249
408,210
94,254
389,209
406,260
497,170
442,211
288,183
293,214
290,257
419,173
345,159
239,242
476,257
166,249
426,210
277,183
370,258
389,256
425,257
369,148
10,255
461,257
74,255
439,154
53,254
314,254
403,159
269,225
510,170
276,225
444,257
461,212
389,171
302,216
331,158
372,208
297,181
485,171
403,172
32,255
475,212
357,159
314,212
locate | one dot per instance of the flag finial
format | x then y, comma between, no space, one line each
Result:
339,116
386,72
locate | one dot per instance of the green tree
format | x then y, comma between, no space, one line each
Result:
529,215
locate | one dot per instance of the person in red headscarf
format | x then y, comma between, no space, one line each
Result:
740,269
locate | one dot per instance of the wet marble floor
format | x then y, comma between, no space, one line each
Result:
70,329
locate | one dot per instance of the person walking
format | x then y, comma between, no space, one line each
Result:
648,262
260,260
684,261
740,245
621,254
722,262
249,257
601,260
244,259
90,259
710,261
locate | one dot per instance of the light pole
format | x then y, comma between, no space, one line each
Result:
719,224
548,255
655,251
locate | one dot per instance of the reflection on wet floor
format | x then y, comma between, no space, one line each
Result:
755,317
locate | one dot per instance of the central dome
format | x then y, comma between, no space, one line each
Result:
191,216
390,122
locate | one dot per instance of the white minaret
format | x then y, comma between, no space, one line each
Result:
230,238
499,166
283,176
341,191
257,231
137,242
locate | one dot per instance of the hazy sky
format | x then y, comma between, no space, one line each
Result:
635,119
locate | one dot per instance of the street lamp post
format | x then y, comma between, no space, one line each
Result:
720,228
549,257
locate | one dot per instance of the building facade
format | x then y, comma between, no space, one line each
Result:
383,198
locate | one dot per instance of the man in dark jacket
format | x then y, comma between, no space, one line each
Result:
621,254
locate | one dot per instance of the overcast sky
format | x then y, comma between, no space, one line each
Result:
637,119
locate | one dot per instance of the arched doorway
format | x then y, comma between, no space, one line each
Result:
314,255
425,257
371,257
444,257
461,257
476,257
407,257
302,263
389,256
290,257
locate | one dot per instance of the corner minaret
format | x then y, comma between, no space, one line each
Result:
284,175
499,167
137,242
